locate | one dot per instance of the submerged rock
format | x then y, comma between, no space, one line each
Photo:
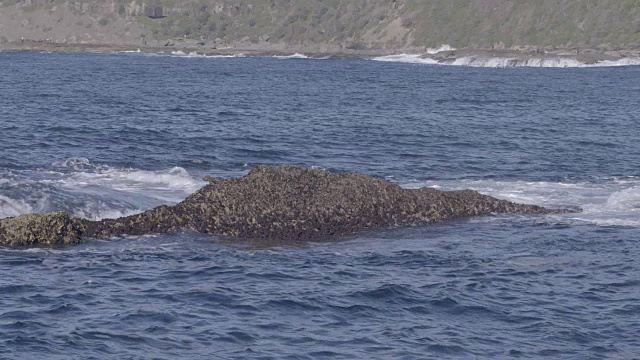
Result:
274,202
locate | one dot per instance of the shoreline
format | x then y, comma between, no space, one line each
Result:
256,51
562,57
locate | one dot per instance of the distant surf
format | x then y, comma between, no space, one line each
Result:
194,54
441,48
293,56
300,56
505,62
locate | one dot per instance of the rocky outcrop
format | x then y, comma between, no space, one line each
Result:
284,203
40,229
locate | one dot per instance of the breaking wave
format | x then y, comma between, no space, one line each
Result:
300,56
497,62
408,58
194,54
504,62
294,56
443,47
93,192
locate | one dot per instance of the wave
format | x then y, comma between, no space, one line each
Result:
300,56
605,202
13,207
75,163
499,62
194,54
294,56
407,58
504,62
92,191
443,47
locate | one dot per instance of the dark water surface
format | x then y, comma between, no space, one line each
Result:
108,135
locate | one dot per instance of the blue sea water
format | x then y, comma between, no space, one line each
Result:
108,135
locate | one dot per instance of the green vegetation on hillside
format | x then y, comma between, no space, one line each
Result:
380,23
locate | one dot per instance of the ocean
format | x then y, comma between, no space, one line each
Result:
107,135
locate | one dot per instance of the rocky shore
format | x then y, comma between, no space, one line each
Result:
516,33
478,57
193,47
537,57
273,202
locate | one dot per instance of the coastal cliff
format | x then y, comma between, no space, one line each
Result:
285,203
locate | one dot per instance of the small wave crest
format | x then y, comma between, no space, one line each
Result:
389,293
74,163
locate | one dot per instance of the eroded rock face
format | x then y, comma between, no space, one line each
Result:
284,203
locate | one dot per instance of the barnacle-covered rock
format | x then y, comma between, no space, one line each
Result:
275,202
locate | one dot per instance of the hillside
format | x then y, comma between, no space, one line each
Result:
325,25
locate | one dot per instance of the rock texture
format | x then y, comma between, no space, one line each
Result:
40,229
284,203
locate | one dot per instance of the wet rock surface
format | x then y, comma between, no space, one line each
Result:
40,229
274,202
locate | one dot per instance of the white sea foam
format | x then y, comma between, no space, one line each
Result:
169,185
294,56
621,62
93,192
11,207
500,62
99,214
443,47
610,202
407,58
504,62
74,163
194,54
